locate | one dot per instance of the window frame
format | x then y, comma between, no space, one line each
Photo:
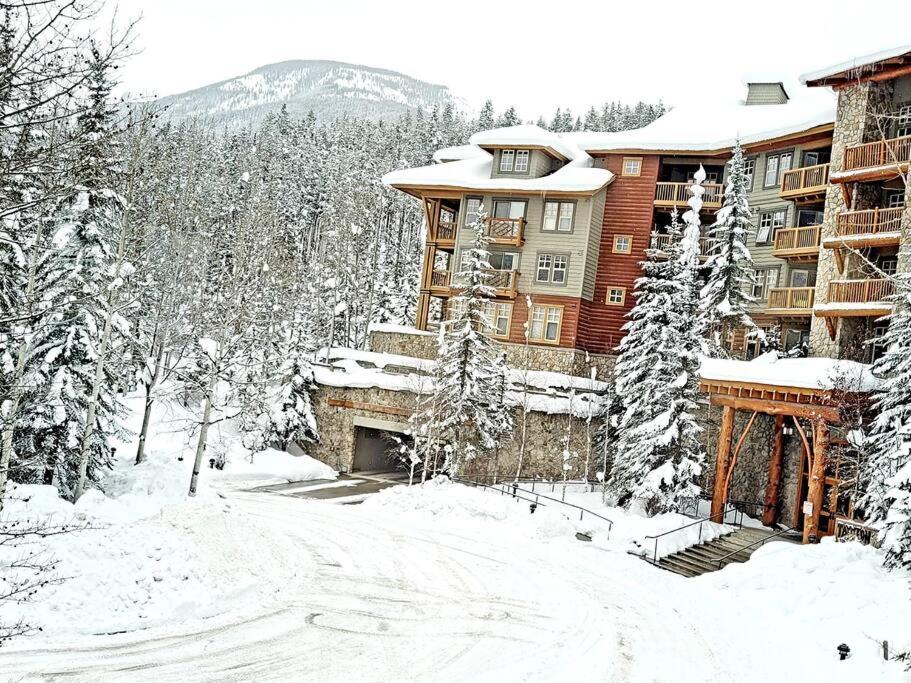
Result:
556,229
778,172
890,193
752,174
638,173
503,157
770,239
470,198
903,119
513,254
551,267
523,154
763,282
617,250
508,200
494,316
547,309
607,296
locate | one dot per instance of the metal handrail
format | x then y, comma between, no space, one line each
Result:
537,496
700,522
760,542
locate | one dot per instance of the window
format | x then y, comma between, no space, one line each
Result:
710,177
499,315
558,216
503,260
795,339
775,167
616,296
472,210
522,161
632,166
552,268
623,244
888,265
749,167
507,160
545,324
802,278
895,199
816,157
878,344
765,279
504,208
808,217
903,120
769,222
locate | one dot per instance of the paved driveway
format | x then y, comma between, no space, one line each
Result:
346,490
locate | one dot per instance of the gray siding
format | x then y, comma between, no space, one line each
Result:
593,248
539,164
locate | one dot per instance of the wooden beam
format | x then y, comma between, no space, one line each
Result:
370,407
722,457
817,481
830,326
846,195
770,407
776,464
729,475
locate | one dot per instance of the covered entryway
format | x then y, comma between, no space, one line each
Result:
376,450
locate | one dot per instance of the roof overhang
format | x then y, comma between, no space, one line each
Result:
884,69
455,191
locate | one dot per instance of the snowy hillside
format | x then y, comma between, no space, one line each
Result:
329,89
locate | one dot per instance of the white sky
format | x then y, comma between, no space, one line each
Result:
531,54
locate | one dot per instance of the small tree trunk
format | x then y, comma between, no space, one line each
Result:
203,433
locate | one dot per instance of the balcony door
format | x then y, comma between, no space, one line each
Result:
808,217
504,260
816,157
508,209
802,278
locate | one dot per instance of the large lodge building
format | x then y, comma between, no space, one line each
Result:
570,217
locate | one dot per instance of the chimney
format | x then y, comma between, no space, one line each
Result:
766,93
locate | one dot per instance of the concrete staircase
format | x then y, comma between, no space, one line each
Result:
714,555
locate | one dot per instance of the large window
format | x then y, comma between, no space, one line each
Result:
775,167
552,268
507,160
765,279
558,216
472,210
504,208
545,324
769,222
522,161
503,260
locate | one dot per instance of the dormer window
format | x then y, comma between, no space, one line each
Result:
514,160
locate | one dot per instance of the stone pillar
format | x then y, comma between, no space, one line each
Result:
855,123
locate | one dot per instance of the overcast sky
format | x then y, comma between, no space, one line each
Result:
533,55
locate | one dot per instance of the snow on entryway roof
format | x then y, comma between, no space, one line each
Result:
716,126
527,135
857,62
459,153
803,373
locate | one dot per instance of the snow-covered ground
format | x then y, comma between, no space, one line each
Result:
440,582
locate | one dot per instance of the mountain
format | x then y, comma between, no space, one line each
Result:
327,88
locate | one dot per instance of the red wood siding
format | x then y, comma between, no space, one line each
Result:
628,210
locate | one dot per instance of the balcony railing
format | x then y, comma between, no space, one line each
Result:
804,182
678,194
890,152
446,231
796,242
506,230
505,282
707,245
440,279
860,291
869,222
796,299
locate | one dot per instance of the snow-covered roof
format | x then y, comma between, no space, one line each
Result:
716,126
853,64
804,373
459,153
527,135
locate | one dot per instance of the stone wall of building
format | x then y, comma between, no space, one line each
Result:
856,123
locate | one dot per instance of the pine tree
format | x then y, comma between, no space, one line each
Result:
659,456
509,118
725,297
887,476
486,117
468,399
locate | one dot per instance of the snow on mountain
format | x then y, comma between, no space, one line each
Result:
329,89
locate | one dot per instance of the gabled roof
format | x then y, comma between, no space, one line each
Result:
527,136
860,67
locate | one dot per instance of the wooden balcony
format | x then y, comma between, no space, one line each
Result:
707,245
858,298
678,194
807,184
797,244
440,283
504,282
445,236
791,301
868,228
880,159
509,231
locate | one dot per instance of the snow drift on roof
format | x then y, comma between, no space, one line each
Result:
804,373
717,126
527,136
459,153
855,63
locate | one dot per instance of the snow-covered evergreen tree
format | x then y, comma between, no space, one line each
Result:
725,297
658,453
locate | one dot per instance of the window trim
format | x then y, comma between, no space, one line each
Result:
543,339
752,183
468,198
617,250
622,302
778,173
493,304
559,202
502,160
623,172
764,281
772,227
511,200
553,254
527,156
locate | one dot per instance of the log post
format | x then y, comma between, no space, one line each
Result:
776,464
816,484
722,459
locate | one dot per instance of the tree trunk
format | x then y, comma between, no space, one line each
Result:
203,433
149,400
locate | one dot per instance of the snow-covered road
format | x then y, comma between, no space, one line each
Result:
381,598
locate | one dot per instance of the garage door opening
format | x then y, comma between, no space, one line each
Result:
377,450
